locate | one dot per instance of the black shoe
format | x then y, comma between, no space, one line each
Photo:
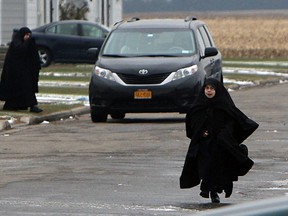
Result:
204,194
214,197
35,109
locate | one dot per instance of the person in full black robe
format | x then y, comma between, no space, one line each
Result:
216,155
20,74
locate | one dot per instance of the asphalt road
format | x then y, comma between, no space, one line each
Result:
132,167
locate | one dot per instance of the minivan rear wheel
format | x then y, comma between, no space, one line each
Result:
98,115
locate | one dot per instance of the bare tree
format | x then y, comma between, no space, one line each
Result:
69,10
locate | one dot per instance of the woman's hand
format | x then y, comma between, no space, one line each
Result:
205,134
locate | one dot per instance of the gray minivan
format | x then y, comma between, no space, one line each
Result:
152,65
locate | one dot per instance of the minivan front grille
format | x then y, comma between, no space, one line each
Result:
147,79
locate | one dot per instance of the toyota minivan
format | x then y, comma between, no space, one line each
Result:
152,65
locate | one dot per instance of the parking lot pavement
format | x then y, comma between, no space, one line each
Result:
132,166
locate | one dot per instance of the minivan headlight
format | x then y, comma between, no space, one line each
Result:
104,73
184,72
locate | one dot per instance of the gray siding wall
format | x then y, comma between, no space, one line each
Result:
12,13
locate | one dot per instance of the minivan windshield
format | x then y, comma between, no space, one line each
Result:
150,42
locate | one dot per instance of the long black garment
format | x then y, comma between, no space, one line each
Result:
218,159
20,74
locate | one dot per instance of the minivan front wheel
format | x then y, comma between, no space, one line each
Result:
98,114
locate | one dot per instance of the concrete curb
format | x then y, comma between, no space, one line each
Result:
5,125
32,120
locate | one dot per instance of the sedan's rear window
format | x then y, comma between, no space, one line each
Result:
141,42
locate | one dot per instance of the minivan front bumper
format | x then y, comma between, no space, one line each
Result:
174,96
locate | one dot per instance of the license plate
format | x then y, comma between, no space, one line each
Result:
142,94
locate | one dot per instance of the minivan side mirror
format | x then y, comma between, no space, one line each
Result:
210,51
93,51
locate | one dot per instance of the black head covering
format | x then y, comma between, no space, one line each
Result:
23,31
229,137
18,36
22,59
221,100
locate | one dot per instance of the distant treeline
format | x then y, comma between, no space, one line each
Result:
132,6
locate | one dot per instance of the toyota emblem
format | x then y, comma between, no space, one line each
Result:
143,72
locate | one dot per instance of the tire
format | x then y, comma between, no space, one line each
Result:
45,56
117,115
98,115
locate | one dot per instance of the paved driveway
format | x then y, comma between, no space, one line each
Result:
132,167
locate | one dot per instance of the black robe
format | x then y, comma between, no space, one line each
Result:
20,74
220,157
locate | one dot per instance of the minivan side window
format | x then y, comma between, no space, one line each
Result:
209,35
205,37
201,43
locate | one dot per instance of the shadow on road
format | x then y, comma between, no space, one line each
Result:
202,206
147,120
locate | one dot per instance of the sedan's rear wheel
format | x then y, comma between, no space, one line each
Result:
98,115
45,56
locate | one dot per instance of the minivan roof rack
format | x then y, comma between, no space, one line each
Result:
190,18
116,23
132,19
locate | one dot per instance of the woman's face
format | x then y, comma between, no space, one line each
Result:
209,91
27,36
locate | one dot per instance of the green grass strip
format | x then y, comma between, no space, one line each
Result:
63,90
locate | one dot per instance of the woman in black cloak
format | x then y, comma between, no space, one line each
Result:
20,74
216,155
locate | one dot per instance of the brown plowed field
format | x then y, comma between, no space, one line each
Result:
251,34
